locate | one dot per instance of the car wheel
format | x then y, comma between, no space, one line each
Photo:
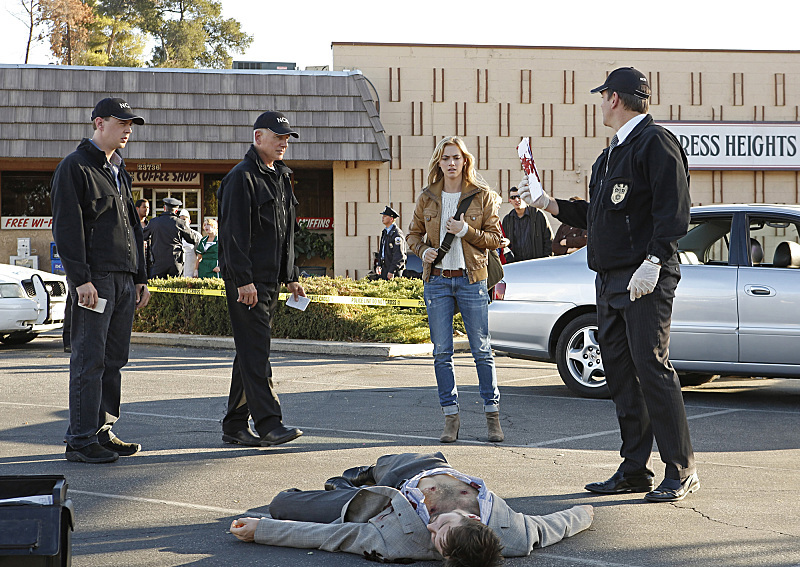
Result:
17,338
695,378
578,358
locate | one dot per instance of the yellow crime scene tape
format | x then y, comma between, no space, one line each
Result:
339,299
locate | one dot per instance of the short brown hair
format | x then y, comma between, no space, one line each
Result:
631,102
472,544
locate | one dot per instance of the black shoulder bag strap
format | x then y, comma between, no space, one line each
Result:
444,247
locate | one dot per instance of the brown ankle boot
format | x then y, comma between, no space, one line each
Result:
451,426
493,424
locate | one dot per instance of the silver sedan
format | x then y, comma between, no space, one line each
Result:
736,311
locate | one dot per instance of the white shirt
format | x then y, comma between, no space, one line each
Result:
628,127
417,497
454,259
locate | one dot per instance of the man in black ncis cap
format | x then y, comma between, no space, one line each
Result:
254,259
392,248
103,255
641,182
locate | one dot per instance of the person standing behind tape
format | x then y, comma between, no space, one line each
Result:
257,224
639,209
102,252
165,235
392,248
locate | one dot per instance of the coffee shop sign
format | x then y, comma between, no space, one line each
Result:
751,146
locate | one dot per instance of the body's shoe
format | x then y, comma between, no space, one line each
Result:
280,435
93,453
360,476
620,484
671,490
338,483
243,437
452,423
121,448
493,425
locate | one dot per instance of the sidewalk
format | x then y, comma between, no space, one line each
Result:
388,350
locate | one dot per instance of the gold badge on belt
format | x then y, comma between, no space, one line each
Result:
618,193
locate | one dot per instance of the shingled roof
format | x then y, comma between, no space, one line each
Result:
190,114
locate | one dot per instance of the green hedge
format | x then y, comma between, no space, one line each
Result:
208,315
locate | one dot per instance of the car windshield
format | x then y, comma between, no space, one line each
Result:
11,290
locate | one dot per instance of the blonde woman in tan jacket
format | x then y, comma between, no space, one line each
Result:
459,277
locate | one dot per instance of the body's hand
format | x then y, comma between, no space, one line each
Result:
296,289
216,270
248,295
454,226
87,295
541,202
430,255
142,296
245,528
504,242
644,279
390,276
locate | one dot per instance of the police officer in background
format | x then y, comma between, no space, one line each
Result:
639,208
392,249
257,223
164,235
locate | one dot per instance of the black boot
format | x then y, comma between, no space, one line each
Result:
360,476
338,483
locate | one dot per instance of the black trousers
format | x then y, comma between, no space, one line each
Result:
634,341
251,392
325,506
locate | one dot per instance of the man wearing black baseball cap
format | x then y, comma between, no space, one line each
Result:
639,209
257,223
102,251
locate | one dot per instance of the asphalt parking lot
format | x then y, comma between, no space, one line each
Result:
172,503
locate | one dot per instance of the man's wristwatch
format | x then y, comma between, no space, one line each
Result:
654,259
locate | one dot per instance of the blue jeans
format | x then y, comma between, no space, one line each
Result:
100,344
441,295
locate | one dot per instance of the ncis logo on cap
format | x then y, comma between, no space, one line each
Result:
276,122
117,108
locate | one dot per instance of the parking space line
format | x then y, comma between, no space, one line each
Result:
584,561
226,511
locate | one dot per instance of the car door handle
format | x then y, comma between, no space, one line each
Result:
759,290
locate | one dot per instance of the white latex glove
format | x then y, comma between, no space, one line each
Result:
541,202
644,279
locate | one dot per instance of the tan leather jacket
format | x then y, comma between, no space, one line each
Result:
483,233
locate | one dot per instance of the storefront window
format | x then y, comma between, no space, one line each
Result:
25,194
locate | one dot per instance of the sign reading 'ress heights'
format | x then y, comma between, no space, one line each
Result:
739,145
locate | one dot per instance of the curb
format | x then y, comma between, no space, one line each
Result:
386,350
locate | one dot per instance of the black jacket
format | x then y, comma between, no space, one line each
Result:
257,223
540,235
164,235
640,207
392,249
95,226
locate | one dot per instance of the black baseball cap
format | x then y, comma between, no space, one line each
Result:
117,108
276,122
626,80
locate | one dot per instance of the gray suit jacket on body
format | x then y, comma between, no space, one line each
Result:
379,523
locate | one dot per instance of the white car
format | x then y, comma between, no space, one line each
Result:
31,302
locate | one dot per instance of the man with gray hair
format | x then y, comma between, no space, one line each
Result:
257,223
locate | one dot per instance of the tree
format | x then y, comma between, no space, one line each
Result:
67,22
193,33
114,36
32,20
